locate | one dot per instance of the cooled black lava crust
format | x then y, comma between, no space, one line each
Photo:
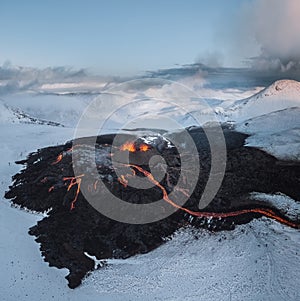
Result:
65,235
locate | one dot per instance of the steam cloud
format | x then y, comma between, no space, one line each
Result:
276,28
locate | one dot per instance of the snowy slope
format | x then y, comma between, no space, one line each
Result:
246,264
273,122
277,133
280,95
271,117
61,109
15,115
7,115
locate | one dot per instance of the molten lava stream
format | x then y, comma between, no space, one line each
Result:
74,181
131,147
61,155
58,159
263,211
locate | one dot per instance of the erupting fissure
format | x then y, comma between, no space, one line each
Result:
131,147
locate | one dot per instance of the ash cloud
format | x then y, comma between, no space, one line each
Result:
276,28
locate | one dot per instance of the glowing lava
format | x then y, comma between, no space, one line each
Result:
128,146
58,159
123,180
61,155
74,181
51,189
131,147
263,211
144,147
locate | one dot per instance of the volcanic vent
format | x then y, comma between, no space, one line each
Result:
74,229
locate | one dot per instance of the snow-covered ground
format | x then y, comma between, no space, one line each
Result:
277,133
272,118
257,261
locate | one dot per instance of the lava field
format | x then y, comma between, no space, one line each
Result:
73,228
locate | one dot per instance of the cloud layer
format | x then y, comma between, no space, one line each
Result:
13,78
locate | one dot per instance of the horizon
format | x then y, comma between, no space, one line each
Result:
199,77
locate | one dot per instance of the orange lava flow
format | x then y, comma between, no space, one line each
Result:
58,159
74,181
123,180
144,147
263,211
60,156
128,146
131,147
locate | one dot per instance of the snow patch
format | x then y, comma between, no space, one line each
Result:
285,204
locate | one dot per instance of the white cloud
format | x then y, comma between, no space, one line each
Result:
276,28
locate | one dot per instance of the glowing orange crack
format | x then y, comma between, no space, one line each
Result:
123,180
263,211
60,156
58,159
130,146
74,181
144,147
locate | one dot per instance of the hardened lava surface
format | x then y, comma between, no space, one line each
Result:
73,229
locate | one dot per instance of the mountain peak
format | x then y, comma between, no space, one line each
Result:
284,86
281,95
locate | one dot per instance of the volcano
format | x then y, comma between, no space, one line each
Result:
74,231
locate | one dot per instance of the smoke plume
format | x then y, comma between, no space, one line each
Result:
276,28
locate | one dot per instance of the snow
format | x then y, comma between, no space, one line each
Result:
285,204
280,95
278,133
273,122
257,261
65,110
237,265
271,117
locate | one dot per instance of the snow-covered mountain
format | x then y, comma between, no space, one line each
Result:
271,117
280,95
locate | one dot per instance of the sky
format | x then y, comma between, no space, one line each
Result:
112,37
129,37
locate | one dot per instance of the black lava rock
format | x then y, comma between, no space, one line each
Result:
73,228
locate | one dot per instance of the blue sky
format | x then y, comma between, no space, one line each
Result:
117,37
